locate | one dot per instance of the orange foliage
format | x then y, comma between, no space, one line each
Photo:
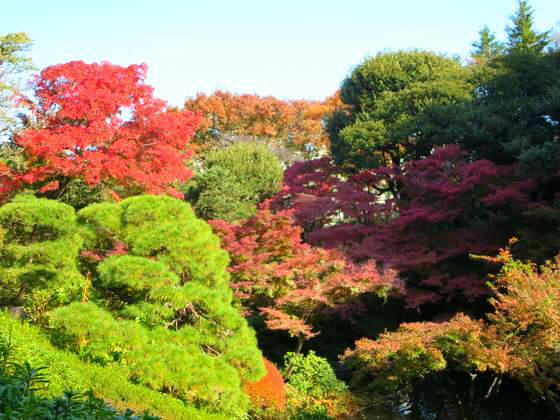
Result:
269,391
299,120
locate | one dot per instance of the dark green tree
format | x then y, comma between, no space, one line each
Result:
522,36
387,94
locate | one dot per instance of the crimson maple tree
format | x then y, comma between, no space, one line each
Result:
422,218
289,281
102,124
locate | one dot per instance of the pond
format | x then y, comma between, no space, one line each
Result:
426,404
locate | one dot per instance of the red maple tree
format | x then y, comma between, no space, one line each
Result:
102,124
289,281
440,209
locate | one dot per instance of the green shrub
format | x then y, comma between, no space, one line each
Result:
221,196
312,375
157,307
233,180
19,399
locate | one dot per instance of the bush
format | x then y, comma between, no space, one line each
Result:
156,304
312,375
234,179
19,399
269,391
161,306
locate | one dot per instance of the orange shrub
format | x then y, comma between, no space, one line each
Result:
270,391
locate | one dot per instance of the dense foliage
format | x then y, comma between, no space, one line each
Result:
19,399
38,255
375,221
233,180
290,282
270,390
387,95
296,122
101,123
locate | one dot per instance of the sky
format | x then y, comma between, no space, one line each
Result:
286,48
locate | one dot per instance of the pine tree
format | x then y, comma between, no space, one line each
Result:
487,47
522,37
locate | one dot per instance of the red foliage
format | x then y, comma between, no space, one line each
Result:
270,390
289,281
101,123
441,209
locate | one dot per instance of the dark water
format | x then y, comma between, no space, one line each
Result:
511,404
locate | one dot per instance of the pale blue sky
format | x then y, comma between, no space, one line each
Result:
286,48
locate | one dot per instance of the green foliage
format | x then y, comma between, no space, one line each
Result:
387,94
39,254
515,115
162,306
522,37
18,399
221,196
234,179
26,342
78,194
312,375
486,48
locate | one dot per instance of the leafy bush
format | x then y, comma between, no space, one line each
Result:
270,390
234,179
161,306
312,375
19,399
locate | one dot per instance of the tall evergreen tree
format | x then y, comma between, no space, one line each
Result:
522,37
487,47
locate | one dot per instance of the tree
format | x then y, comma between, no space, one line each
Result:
100,123
444,208
486,48
295,123
234,179
13,46
519,339
155,302
527,316
274,273
441,354
522,37
514,118
386,94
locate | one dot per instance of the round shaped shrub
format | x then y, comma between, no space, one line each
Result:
312,375
234,179
269,391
